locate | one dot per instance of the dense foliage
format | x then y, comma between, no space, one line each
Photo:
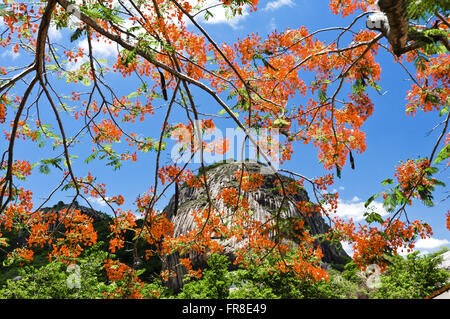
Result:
57,280
414,276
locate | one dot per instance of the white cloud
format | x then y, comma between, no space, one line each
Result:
424,246
10,54
405,251
97,201
275,5
431,243
339,189
100,49
220,14
355,209
54,33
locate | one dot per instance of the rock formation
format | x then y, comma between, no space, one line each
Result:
445,264
95,215
262,202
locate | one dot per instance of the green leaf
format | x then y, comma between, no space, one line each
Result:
268,65
432,98
371,217
375,86
359,87
430,170
280,122
140,271
161,146
51,67
322,96
208,15
3,11
221,112
4,242
438,182
399,197
444,110
387,181
34,165
338,171
370,200
85,81
76,35
390,202
133,95
443,154
91,157
44,168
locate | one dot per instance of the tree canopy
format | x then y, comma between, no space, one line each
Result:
67,105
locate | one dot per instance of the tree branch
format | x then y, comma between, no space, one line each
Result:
398,23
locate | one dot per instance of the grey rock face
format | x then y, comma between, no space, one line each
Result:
262,202
445,264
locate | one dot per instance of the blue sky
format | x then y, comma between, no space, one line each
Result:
391,135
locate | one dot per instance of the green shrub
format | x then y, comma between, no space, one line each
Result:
412,277
215,283
259,283
57,280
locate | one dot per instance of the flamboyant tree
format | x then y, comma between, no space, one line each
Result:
165,51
